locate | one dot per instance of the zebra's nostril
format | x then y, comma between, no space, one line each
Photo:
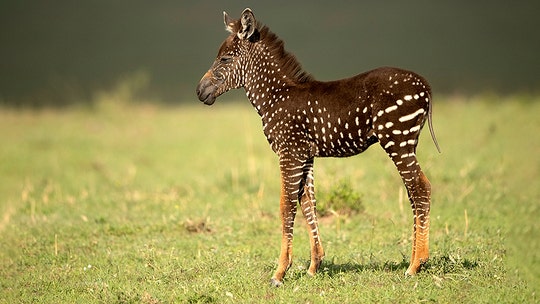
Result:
202,87
199,90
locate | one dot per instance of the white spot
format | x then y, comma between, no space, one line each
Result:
399,102
411,116
389,124
391,108
389,144
407,97
407,155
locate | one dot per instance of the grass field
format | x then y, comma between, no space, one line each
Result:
124,203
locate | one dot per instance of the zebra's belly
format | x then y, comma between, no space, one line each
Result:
341,145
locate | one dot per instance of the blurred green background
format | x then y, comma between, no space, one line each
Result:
63,52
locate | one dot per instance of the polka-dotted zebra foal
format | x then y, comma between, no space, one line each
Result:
304,118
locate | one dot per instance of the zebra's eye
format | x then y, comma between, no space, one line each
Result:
225,59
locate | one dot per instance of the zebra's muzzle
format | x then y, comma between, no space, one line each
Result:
205,91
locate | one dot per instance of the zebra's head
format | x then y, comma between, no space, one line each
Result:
228,70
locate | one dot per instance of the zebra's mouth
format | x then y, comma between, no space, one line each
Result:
207,99
205,92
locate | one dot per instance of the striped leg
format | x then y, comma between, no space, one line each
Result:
291,179
419,192
307,204
420,202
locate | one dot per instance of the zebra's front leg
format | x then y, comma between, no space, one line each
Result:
308,206
291,179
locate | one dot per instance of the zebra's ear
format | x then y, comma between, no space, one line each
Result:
248,25
229,22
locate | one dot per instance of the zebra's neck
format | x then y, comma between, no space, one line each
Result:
264,94
270,72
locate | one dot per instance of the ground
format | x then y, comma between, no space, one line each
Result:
125,202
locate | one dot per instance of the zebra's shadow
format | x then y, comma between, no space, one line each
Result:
436,265
331,268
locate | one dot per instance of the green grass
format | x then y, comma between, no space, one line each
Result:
126,203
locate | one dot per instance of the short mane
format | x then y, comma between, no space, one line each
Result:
289,64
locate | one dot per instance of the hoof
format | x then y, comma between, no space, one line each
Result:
275,282
410,273
413,270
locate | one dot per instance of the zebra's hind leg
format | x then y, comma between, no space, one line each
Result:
419,192
420,202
